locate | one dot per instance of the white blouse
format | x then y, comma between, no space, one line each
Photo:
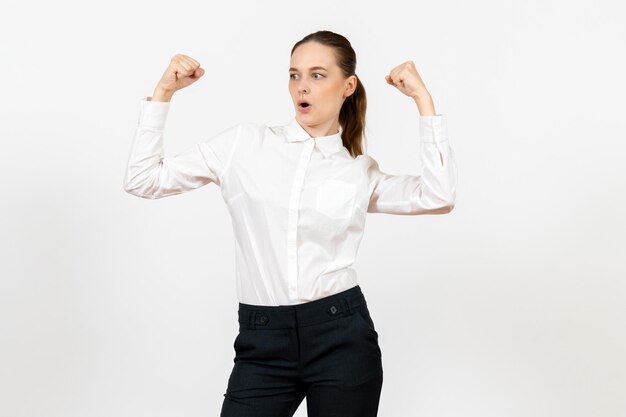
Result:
298,204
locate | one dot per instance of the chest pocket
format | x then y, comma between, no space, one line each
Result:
336,198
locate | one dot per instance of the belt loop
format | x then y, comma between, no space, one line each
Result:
346,302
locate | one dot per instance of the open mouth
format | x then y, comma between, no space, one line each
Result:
304,104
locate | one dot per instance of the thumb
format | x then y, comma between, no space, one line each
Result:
199,72
191,78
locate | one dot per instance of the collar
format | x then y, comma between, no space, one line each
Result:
328,145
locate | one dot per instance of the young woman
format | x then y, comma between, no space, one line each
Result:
298,195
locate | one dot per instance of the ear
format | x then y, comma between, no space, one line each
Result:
350,83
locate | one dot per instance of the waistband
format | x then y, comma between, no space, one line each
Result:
298,315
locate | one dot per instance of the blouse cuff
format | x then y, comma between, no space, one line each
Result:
153,114
433,128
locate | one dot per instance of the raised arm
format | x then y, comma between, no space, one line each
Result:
433,192
149,173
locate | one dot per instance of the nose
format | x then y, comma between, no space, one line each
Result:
302,88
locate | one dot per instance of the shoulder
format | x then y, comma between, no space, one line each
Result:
263,130
255,129
366,160
369,166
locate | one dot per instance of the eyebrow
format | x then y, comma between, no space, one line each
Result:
312,68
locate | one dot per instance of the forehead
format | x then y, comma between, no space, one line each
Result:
312,54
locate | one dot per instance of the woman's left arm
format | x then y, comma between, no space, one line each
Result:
433,192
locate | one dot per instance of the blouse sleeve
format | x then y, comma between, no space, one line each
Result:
433,192
150,174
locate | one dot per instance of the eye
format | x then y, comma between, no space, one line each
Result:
291,76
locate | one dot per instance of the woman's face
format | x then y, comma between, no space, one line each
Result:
315,77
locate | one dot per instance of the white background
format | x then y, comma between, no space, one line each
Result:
511,305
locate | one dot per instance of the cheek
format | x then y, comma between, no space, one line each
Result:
337,92
331,93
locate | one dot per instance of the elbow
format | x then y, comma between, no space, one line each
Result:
442,202
126,185
441,205
130,190
447,200
451,200
442,209
449,204
139,191
129,187
447,208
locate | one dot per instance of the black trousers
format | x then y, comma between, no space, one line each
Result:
325,349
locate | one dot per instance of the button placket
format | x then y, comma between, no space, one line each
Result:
292,226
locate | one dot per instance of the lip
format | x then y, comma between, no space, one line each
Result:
304,109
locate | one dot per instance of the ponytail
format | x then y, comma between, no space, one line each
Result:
352,120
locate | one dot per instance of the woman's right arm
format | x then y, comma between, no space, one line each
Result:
149,173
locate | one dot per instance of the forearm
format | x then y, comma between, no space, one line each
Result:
439,169
161,94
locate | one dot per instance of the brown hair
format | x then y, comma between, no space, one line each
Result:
352,113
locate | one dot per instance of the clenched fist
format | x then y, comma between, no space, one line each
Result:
181,72
406,79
